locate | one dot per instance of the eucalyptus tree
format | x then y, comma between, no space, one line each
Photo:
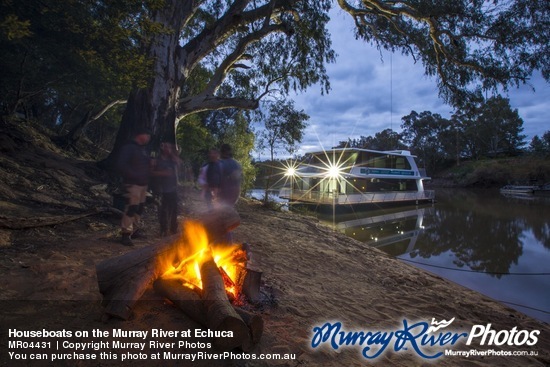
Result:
540,146
468,45
424,133
249,48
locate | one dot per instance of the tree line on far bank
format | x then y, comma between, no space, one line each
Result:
489,129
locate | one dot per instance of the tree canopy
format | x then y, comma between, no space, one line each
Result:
468,45
184,57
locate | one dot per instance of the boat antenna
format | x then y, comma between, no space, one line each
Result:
391,91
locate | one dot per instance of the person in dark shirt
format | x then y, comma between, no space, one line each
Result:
134,166
165,170
230,183
231,177
210,176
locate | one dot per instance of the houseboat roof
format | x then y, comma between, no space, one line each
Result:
392,152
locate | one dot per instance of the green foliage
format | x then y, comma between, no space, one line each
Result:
487,129
194,140
241,139
63,60
12,28
540,146
384,140
491,128
283,126
497,172
424,133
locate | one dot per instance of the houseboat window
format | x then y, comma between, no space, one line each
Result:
357,185
381,160
318,163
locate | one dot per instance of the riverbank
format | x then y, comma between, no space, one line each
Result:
54,229
311,274
495,173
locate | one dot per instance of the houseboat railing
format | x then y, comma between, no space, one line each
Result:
359,198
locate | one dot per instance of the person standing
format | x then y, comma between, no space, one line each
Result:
231,177
165,170
210,178
133,163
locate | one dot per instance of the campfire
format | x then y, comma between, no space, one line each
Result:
230,259
200,273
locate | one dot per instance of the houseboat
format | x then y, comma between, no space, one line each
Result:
526,190
518,190
351,177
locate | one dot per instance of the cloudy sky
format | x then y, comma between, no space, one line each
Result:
369,94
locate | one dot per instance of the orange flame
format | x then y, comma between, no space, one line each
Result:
194,249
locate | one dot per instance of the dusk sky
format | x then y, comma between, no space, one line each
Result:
360,101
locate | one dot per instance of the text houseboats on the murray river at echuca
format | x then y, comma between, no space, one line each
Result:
351,176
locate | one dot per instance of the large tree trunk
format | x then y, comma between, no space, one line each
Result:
155,107
136,115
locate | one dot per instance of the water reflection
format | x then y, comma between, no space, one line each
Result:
500,246
395,232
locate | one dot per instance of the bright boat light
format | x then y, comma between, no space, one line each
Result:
291,171
334,171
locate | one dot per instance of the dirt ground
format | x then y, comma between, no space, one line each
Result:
311,275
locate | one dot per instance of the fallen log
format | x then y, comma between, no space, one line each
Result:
255,325
191,303
184,298
220,314
123,280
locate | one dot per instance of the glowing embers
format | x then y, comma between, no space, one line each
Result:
195,250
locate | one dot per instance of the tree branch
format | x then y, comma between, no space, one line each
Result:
197,48
203,102
229,62
107,108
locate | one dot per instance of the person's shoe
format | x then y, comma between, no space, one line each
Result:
127,240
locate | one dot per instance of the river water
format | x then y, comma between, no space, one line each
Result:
496,245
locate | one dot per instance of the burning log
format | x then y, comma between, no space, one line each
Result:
185,298
251,284
123,280
190,302
220,315
255,325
